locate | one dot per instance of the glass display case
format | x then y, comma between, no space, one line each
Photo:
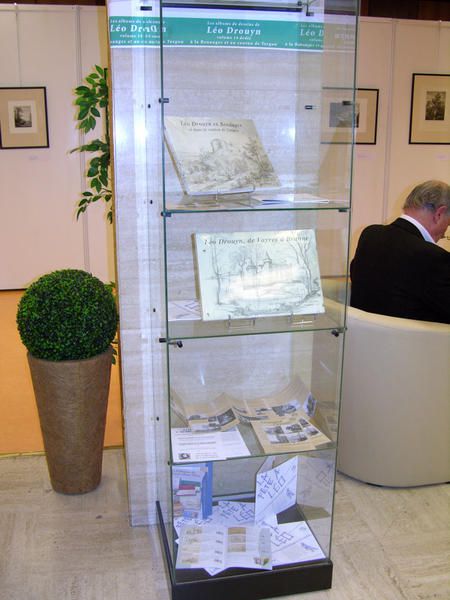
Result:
253,154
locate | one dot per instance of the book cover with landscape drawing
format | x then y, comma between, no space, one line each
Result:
218,156
260,273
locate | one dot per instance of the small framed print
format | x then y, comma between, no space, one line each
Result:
341,114
366,116
430,109
23,118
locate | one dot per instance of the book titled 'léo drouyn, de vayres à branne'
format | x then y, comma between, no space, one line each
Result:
259,273
218,156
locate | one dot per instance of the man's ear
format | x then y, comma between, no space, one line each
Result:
439,213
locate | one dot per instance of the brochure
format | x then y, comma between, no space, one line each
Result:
286,421
294,434
216,547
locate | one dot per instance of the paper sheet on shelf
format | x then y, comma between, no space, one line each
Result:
191,446
232,512
229,513
276,488
188,446
283,198
294,543
183,310
233,443
179,522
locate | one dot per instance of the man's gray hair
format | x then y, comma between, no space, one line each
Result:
430,195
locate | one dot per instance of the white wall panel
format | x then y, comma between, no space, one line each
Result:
39,187
9,56
389,52
375,43
420,47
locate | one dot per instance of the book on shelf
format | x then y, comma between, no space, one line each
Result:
258,274
218,155
192,490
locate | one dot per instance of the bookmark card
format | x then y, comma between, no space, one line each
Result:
276,488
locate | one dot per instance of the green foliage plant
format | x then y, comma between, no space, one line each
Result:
92,98
67,315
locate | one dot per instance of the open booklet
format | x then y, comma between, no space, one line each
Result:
288,421
218,155
216,547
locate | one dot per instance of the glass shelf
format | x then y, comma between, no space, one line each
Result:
256,451
254,201
192,329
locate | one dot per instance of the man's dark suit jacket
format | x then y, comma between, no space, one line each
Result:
396,272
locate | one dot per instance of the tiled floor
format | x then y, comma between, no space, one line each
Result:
388,544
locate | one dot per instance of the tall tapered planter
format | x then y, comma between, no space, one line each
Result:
72,398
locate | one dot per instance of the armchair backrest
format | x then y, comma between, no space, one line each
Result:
395,413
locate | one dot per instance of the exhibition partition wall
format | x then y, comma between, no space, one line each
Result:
52,48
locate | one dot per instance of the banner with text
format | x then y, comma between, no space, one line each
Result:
236,28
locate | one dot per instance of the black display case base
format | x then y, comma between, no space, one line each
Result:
234,584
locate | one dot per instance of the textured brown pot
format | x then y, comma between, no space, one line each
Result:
72,397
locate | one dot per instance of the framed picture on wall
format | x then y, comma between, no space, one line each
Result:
430,109
23,118
339,119
366,115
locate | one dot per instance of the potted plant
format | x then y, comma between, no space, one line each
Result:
92,101
67,320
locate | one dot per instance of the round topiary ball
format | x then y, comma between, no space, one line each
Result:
67,315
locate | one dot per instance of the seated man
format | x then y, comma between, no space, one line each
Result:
398,269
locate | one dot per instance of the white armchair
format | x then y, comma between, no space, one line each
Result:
395,414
